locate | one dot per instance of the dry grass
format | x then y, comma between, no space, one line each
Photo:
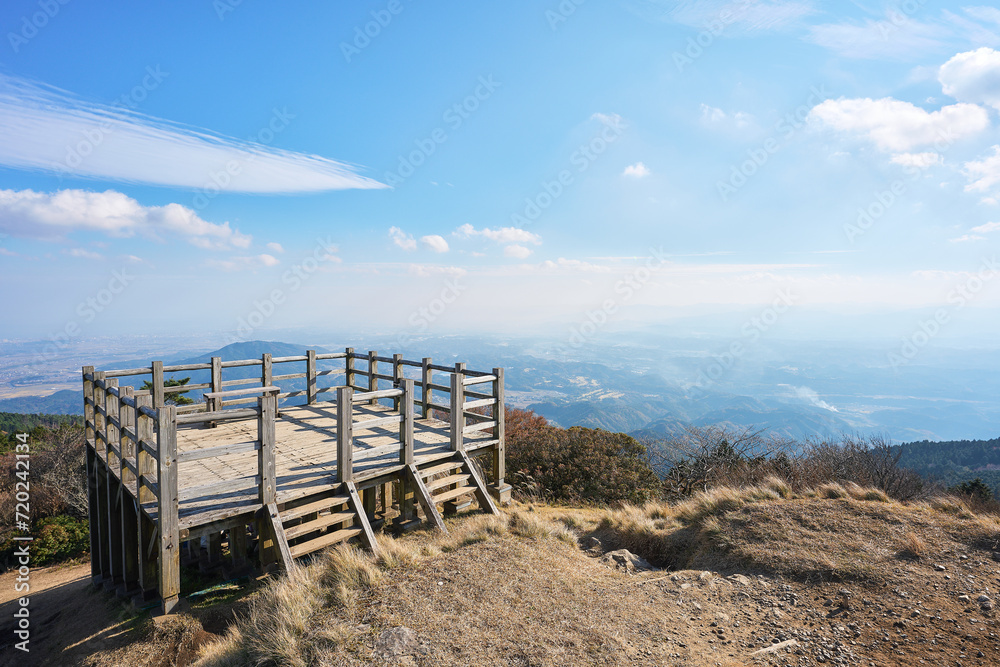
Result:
913,546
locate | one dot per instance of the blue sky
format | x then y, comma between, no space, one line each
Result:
238,167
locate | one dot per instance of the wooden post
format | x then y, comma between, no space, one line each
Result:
266,370
267,490
216,373
146,466
426,378
170,542
92,501
458,408
310,376
397,375
115,534
349,367
158,398
372,380
500,490
406,426
345,434
129,517
101,475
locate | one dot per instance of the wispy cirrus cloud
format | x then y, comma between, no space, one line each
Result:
48,129
53,215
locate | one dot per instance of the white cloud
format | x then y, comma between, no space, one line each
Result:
637,170
402,239
973,76
714,116
976,233
427,270
83,253
918,160
500,235
894,125
517,251
52,215
983,174
244,263
573,265
987,228
276,247
434,242
894,37
48,129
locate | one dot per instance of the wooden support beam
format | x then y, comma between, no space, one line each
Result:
367,535
310,376
372,370
90,453
345,434
115,542
267,490
157,383
282,550
145,464
349,366
397,375
499,489
482,493
457,415
424,497
406,426
169,556
426,380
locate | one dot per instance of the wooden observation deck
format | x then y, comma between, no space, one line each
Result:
279,465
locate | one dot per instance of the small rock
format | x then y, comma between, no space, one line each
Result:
939,567
396,642
626,560
983,598
774,648
986,606
739,579
594,544
963,598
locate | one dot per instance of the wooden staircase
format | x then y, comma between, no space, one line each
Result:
308,524
452,483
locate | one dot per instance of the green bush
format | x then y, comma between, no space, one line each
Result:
57,538
576,464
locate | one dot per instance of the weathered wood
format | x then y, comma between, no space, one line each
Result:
115,528
426,379
397,375
499,452
424,498
372,370
482,493
345,434
167,505
216,374
90,454
222,450
361,396
367,535
278,534
266,370
310,376
349,366
382,422
268,405
457,413
157,382
406,426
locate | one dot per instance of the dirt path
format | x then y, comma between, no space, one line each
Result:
70,619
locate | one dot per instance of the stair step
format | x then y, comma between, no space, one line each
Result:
446,481
313,507
454,493
323,521
323,541
439,468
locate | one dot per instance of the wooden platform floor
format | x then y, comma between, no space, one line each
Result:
305,457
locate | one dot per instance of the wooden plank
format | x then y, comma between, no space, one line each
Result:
440,468
397,376
382,422
483,426
323,521
374,452
372,396
499,415
222,450
157,383
242,413
345,433
221,487
372,371
315,506
349,365
406,426
310,376
278,533
482,493
326,540
424,498
240,392
457,400
469,405
266,370
216,374
170,548
453,494
268,406
367,536
435,484
426,379
478,379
